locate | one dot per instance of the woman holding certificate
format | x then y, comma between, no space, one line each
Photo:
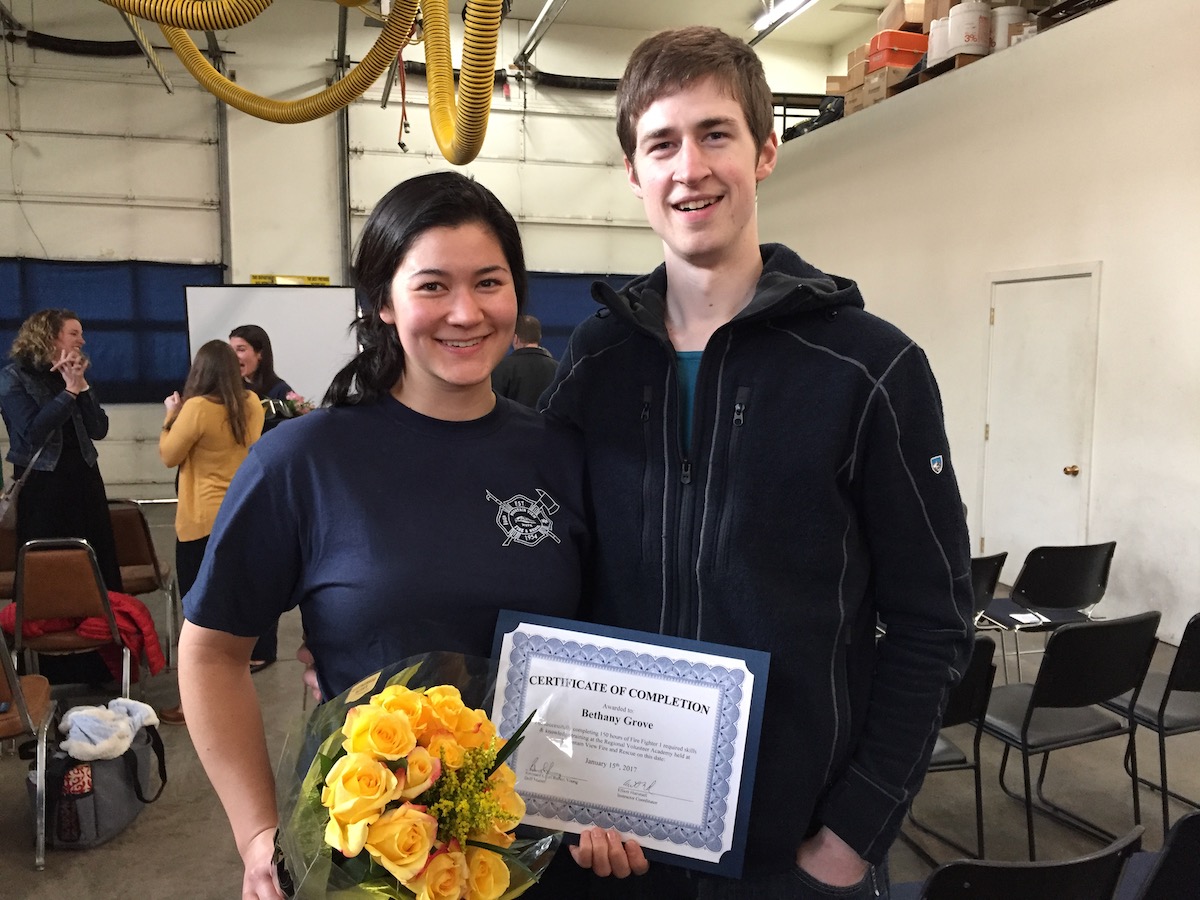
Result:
387,517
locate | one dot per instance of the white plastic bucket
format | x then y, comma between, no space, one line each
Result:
939,42
1002,17
970,28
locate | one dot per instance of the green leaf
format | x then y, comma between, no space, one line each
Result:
404,677
513,742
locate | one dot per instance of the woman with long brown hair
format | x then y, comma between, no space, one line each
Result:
207,433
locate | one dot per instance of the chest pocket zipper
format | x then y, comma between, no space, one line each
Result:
728,497
647,447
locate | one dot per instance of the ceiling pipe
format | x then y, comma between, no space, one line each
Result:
540,26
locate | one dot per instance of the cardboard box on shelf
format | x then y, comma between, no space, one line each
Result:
879,84
904,15
837,85
857,55
854,101
857,75
937,9
1021,31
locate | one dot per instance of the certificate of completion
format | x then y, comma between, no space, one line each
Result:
653,736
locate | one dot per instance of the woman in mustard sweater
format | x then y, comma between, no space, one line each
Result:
207,433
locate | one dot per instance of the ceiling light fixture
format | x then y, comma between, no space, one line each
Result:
779,14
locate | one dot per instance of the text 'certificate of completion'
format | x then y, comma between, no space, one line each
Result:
651,735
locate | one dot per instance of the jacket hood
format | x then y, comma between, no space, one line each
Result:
787,285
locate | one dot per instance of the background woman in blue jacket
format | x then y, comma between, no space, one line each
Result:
47,403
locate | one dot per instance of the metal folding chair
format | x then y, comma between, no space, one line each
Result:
58,578
1085,663
1092,877
30,710
1168,705
967,703
1056,585
142,572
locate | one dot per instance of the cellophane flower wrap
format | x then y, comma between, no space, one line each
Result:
398,788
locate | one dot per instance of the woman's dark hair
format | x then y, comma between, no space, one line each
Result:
215,375
435,200
34,344
264,377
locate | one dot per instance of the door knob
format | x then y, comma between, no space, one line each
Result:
1073,471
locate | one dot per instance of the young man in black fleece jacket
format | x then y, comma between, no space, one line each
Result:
769,469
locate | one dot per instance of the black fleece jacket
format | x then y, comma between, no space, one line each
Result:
816,495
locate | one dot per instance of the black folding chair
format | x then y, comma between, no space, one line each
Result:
1169,705
1056,585
967,703
1085,663
1172,873
1092,877
985,575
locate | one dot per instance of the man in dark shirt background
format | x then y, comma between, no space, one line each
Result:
529,369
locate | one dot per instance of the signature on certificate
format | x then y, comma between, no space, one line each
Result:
540,772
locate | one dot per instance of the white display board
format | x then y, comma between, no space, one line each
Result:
308,327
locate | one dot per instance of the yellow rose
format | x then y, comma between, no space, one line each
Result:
442,745
414,704
400,841
512,804
445,878
374,730
348,838
487,876
423,770
356,790
447,705
496,836
504,777
473,728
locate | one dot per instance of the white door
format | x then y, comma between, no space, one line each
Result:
1041,396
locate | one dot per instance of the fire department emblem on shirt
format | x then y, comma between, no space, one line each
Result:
526,521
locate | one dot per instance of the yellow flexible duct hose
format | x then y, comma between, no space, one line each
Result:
459,129
291,112
198,15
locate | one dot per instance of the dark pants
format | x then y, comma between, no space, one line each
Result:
69,502
267,647
188,556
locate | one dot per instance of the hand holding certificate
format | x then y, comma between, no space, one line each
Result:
657,740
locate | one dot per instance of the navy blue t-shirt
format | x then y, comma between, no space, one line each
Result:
397,534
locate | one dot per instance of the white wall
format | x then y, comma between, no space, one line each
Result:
1054,151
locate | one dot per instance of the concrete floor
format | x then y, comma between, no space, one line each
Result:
182,845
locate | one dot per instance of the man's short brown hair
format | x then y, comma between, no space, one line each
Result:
669,61
529,329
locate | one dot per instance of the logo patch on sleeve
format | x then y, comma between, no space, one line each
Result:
935,463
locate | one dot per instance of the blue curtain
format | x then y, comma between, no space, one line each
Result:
560,302
134,318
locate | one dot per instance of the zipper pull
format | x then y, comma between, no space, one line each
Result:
685,474
739,414
646,397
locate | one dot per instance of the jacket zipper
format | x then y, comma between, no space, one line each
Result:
648,444
740,402
683,590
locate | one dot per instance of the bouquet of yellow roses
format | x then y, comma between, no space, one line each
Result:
408,794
